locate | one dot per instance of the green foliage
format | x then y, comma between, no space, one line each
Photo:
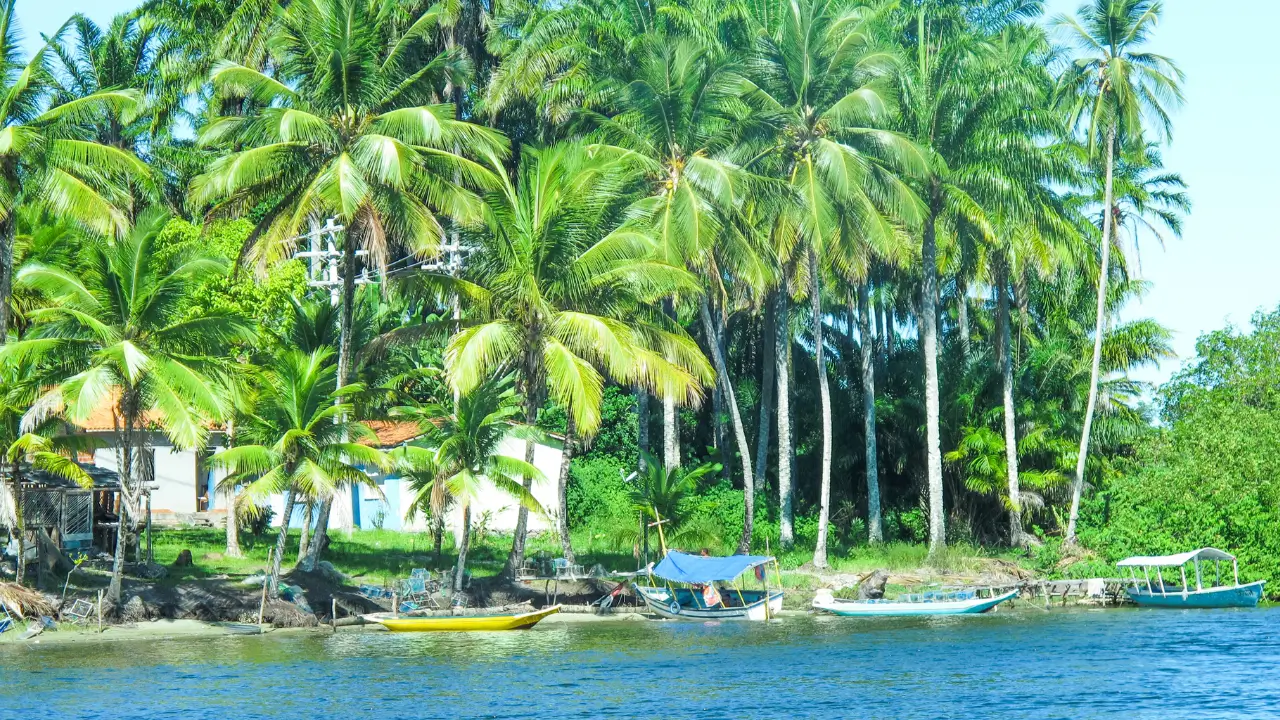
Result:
267,300
597,493
1212,476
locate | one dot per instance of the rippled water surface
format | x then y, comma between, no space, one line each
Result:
1029,663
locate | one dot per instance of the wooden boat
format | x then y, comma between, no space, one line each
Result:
955,603
696,597
1161,594
464,623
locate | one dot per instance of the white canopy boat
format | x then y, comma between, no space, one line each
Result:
1161,594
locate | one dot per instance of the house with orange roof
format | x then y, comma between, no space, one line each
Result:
184,483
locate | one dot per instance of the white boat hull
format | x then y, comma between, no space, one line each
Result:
662,602
855,608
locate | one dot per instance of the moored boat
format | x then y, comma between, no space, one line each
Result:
463,623
964,602
695,595
1163,594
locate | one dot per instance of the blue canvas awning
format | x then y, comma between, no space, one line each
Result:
685,568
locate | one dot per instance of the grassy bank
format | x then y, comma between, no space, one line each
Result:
378,556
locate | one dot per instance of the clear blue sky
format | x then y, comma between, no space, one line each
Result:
1225,266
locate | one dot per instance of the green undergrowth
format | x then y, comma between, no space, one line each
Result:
379,556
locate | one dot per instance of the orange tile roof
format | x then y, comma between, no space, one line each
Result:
393,432
102,419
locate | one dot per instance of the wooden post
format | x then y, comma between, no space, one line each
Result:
395,604
99,611
333,613
150,555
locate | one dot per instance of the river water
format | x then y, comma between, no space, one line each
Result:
1023,664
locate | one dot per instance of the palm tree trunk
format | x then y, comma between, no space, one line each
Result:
19,522
767,386
464,544
346,322
782,352
305,538
889,334
962,315
532,401
125,463
1010,428
1100,328
929,339
281,541
562,486
867,357
739,431
233,527
824,394
642,426
670,420
437,534
6,275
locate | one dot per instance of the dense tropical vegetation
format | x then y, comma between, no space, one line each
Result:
864,255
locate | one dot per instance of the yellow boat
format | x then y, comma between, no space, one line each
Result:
522,621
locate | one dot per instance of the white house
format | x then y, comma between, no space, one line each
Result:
186,485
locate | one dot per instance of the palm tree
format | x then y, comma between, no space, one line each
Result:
46,163
112,334
121,56
563,307
298,440
348,129
461,450
680,113
1011,160
956,107
1111,90
822,78
659,495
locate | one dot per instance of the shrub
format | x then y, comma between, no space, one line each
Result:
596,492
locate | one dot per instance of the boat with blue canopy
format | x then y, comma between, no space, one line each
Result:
691,591
1165,594
956,602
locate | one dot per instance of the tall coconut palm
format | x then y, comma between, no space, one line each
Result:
461,452
113,334
553,295
297,440
46,163
822,77
950,105
347,129
1113,89
1012,160
680,113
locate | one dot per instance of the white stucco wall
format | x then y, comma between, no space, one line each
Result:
175,476
503,507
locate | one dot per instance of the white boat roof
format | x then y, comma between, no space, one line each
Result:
1174,560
